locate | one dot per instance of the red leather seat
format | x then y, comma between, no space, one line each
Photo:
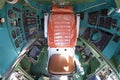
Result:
61,34
62,29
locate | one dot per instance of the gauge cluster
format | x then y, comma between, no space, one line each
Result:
15,26
19,74
30,24
102,71
106,74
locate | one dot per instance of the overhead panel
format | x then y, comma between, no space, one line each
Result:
71,1
80,1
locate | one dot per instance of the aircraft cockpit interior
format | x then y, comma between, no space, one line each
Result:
60,40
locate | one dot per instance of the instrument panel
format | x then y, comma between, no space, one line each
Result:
106,74
19,74
15,26
102,71
98,37
30,24
13,33
100,19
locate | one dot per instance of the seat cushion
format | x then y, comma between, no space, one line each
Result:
61,64
62,30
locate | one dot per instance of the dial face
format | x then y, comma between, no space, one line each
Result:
20,39
13,34
17,43
95,36
19,22
11,24
17,32
10,14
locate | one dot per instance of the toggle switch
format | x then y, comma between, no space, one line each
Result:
2,20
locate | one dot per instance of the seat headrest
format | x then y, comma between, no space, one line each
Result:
67,9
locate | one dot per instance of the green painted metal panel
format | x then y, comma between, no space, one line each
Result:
8,53
117,3
40,67
2,2
110,49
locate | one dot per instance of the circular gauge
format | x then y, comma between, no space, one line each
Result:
20,39
26,12
17,32
21,30
12,1
96,35
17,43
11,23
10,13
19,22
13,34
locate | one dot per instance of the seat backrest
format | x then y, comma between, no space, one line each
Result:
62,28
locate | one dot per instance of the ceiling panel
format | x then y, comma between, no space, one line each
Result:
71,1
